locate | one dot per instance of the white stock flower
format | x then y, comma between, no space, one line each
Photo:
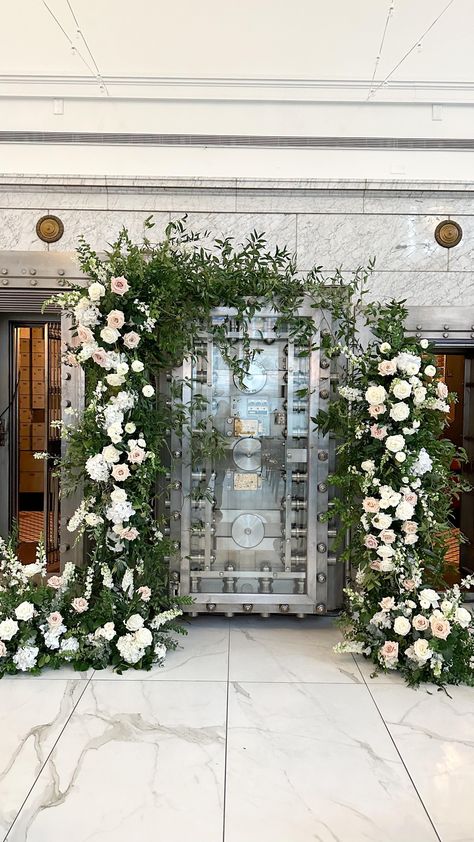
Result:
92,519
160,651
375,395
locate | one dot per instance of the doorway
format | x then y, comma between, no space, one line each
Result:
35,406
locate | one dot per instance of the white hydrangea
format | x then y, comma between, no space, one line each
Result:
160,651
408,362
422,464
97,468
129,648
25,658
348,393
69,647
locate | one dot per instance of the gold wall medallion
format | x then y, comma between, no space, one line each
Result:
448,233
49,229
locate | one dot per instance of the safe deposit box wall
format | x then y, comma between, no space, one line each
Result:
247,528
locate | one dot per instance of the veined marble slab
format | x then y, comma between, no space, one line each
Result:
101,227
279,228
315,762
138,762
18,230
434,733
284,649
423,288
32,716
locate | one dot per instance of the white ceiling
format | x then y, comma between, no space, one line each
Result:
271,39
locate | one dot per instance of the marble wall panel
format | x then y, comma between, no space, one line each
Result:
423,288
461,257
18,230
102,227
177,200
419,202
298,201
279,228
397,242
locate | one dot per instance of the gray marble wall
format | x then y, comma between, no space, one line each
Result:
331,224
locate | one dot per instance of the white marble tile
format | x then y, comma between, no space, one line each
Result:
18,230
423,288
315,762
348,241
284,649
137,761
435,737
62,674
202,655
32,715
278,228
100,228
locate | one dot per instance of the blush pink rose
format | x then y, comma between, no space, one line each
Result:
371,542
55,582
71,359
377,409
131,339
370,505
410,527
387,536
378,432
120,472
387,603
119,285
376,565
136,455
100,358
116,319
84,334
409,585
80,604
440,627
54,620
387,367
145,593
129,534
442,390
411,498
389,651
420,623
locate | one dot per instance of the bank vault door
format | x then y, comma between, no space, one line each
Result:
247,525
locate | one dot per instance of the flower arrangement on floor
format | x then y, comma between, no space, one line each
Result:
395,495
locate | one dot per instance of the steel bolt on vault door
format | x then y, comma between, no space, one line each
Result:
247,528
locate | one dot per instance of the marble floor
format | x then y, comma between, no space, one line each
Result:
255,731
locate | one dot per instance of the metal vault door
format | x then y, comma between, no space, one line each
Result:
247,527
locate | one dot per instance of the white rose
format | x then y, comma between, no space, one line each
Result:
401,626
428,597
400,456
381,521
110,454
387,367
368,466
430,371
130,427
148,391
115,379
144,637
118,495
109,335
463,617
96,291
399,411
122,368
401,389
114,432
385,348
422,650
404,511
25,611
395,443
424,344
8,628
137,366
134,622
419,395
375,395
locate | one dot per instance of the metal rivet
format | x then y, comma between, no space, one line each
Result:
321,547
67,403
176,515
32,271
211,606
325,363
320,608
445,335
324,394
321,578
322,455
23,271
4,271
284,608
247,607
33,282
67,376
418,335
320,516
445,327
5,282
419,327
61,272
322,487
176,454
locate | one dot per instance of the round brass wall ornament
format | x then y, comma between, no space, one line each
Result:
49,229
448,233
